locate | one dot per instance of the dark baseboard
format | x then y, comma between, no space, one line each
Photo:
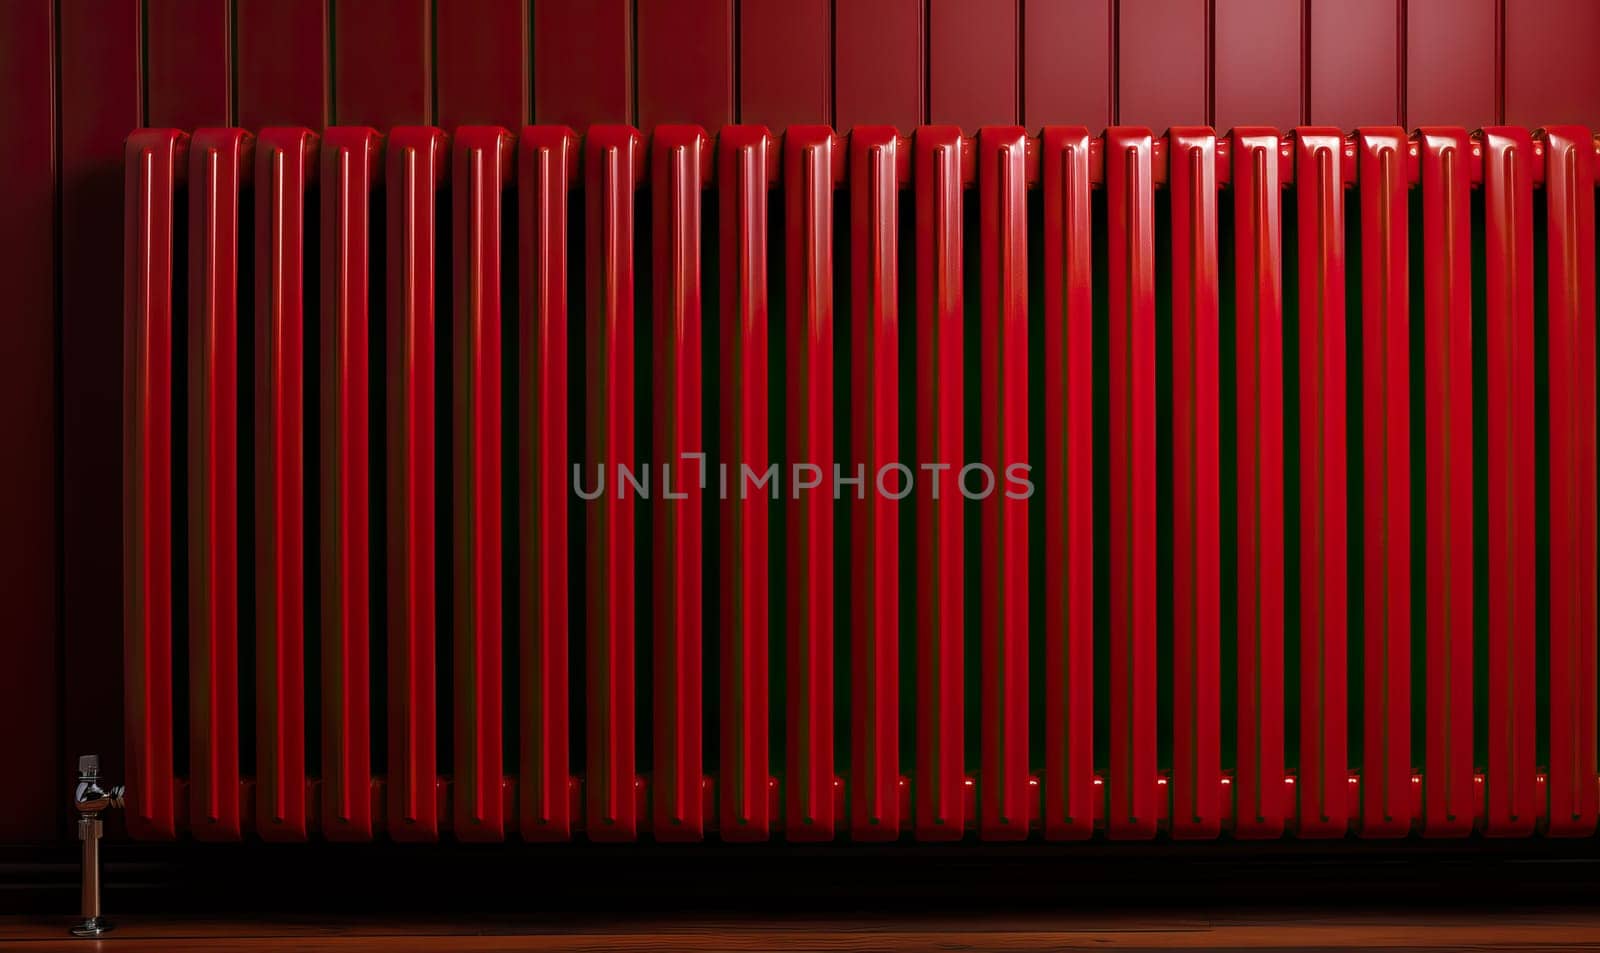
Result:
188,877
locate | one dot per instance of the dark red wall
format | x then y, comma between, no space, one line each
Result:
77,75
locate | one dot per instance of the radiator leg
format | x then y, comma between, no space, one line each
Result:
89,800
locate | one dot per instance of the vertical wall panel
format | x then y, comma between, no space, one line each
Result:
677,154
1256,63
1385,434
29,681
1068,471
99,105
282,68
188,62
808,182
1450,62
743,177
1355,63
582,62
414,166
785,63
685,61
1066,63
483,74
1319,195
1162,62
940,793
546,160
972,63
382,62
1130,241
1508,385
349,158
878,63
285,169
1552,74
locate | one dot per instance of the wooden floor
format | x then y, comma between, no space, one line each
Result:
1567,929
255,898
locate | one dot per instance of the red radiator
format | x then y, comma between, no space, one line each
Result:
1024,486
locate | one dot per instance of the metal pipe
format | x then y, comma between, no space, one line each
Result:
89,799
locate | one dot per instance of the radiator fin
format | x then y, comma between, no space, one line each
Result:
676,163
218,160
1067,475
939,794
480,170
1259,805
874,796
286,167
1385,445
1508,322
349,162
1196,533
746,167
1131,247
415,167
1321,787
546,161
1453,801
157,160
613,161
1005,797
1569,192
809,176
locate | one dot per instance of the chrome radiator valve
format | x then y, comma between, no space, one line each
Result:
89,800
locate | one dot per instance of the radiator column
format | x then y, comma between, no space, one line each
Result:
613,162
1385,441
546,161
874,794
415,164
940,791
157,160
1569,193
1196,486
746,167
811,168
1508,328
1130,243
1072,799
1452,799
1323,796
286,165
480,167
218,160
1259,799
677,172
1006,799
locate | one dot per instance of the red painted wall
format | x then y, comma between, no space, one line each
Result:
77,75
